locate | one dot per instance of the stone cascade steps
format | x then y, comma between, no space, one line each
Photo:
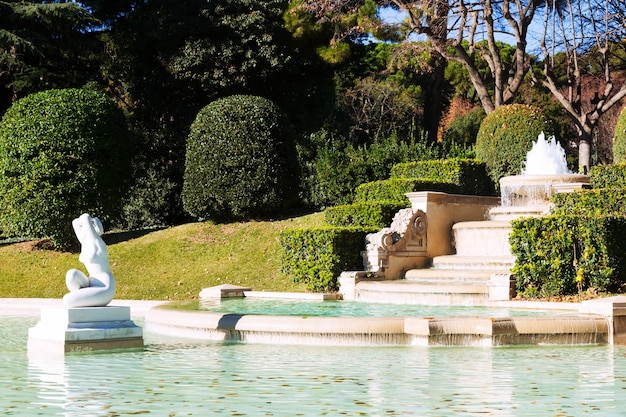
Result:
482,238
459,280
471,263
508,213
413,292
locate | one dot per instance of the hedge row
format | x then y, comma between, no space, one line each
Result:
470,175
394,189
608,176
317,256
560,255
579,247
589,203
377,214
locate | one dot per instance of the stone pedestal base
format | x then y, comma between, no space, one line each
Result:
86,329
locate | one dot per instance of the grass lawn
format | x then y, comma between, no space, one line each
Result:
169,264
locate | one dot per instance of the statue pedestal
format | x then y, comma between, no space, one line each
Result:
86,329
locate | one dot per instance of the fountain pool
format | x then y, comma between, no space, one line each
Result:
269,306
178,377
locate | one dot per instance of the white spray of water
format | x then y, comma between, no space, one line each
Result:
545,158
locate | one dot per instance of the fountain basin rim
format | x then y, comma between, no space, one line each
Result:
359,331
515,180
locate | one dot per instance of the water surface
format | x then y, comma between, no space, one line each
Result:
188,378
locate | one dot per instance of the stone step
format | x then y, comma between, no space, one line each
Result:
482,238
474,262
450,276
405,291
507,213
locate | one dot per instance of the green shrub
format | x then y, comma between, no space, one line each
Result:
335,170
318,256
469,174
505,137
608,176
464,129
591,203
240,161
394,189
375,214
560,255
544,252
62,153
619,139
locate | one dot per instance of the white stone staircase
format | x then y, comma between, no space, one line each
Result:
479,272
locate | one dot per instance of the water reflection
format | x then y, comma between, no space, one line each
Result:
174,378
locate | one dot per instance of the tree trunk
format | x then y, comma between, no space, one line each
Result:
584,155
433,105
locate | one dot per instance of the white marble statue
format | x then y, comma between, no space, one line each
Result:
97,289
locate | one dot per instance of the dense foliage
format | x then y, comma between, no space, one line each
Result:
45,45
464,129
240,160
619,139
505,137
577,248
469,174
62,153
369,214
317,256
608,176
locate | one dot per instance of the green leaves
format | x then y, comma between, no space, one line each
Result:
240,160
317,256
62,153
505,137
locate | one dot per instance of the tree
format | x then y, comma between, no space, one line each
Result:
45,45
458,31
167,59
583,62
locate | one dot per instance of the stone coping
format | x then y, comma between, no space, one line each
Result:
380,331
593,326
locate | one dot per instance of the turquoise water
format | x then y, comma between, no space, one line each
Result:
350,309
187,378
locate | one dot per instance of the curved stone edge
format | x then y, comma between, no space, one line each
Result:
359,331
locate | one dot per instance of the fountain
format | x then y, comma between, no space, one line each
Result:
545,173
465,245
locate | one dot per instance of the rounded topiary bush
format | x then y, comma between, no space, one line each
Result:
619,139
240,161
506,135
62,153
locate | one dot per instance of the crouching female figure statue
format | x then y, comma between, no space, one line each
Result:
97,289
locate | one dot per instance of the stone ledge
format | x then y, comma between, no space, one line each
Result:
66,330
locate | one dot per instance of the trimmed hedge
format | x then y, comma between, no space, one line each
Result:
375,214
506,135
317,256
241,162
560,255
469,174
578,247
608,176
62,153
394,189
590,203
544,252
